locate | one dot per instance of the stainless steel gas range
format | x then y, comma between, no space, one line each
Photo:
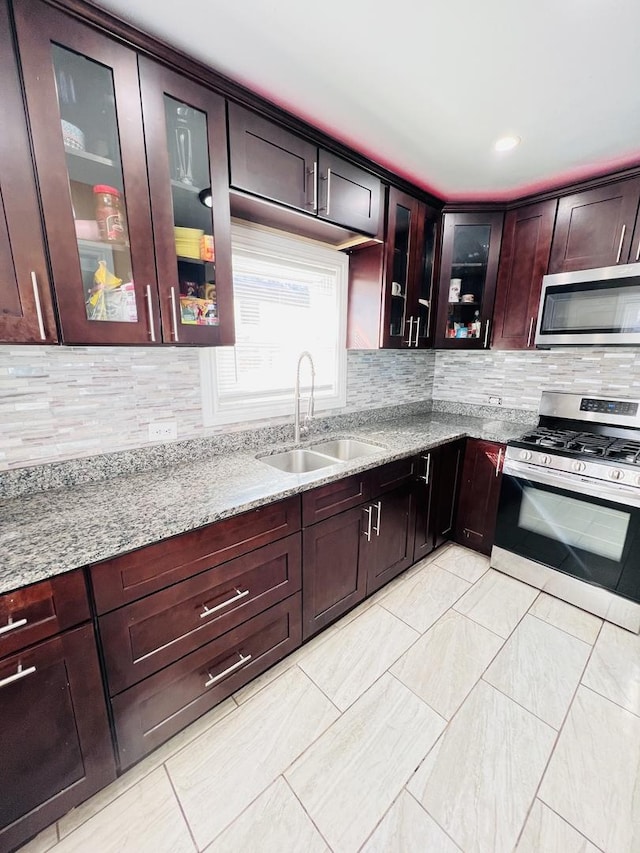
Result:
569,511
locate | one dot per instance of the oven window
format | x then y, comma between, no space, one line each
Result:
574,522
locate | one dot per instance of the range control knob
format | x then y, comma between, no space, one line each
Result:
525,455
545,459
616,474
578,466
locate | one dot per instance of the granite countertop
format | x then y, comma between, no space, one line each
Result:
51,532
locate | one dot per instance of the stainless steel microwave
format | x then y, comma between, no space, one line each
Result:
591,307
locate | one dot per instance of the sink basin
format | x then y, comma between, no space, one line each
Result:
298,461
345,449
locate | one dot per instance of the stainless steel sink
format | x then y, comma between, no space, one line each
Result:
298,461
345,449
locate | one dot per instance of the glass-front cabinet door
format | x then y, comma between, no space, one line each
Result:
468,273
399,321
426,286
84,103
188,178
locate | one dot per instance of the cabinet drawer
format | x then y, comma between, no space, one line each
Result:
150,712
134,575
334,498
145,636
392,475
41,610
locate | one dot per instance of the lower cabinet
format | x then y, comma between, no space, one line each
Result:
479,494
436,494
390,548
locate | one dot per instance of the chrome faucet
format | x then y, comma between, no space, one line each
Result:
304,428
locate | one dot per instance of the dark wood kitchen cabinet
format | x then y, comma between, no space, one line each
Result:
55,741
595,228
468,273
271,162
526,244
436,493
391,298
26,307
479,494
84,102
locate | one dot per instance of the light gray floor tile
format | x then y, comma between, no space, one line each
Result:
462,562
349,778
145,819
357,655
226,768
425,596
76,817
498,602
447,661
614,668
540,667
44,841
584,626
545,832
274,823
593,779
481,777
407,828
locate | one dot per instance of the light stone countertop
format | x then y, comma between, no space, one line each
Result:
52,532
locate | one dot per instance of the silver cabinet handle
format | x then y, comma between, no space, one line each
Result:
530,332
314,173
427,459
328,191
174,314
410,321
152,328
208,611
213,679
417,332
367,532
36,296
624,228
638,252
377,525
20,673
486,334
499,461
11,626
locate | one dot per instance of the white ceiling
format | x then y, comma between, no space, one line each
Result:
425,88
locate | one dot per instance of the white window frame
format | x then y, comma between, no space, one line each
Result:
267,242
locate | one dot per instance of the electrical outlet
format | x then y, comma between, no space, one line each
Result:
495,401
163,430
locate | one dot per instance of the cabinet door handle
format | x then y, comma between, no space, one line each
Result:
11,626
410,321
499,461
20,673
367,532
328,191
36,297
376,526
638,252
314,177
486,334
152,328
208,611
417,332
174,314
624,228
427,459
213,679
530,331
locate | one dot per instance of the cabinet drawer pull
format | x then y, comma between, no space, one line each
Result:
152,328
486,334
499,461
20,673
36,296
11,626
174,314
530,331
213,679
410,321
417,332
377,525
427,459
367,532
208,611
624,228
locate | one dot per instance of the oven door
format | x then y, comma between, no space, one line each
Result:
572,526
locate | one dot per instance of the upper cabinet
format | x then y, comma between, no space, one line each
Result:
391,286
468,272
595,228
26,310
276,164
84,99
526,243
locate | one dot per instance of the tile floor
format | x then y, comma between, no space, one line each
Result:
456,710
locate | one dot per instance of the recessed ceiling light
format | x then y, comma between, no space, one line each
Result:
506,143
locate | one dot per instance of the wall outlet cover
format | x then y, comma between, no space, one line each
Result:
163,430
495,401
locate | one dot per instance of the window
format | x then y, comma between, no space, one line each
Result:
290,295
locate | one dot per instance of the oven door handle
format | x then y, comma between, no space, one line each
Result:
572,483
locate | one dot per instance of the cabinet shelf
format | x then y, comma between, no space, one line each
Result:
88,168
188,188
101,245
474,264
468,304
197,261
